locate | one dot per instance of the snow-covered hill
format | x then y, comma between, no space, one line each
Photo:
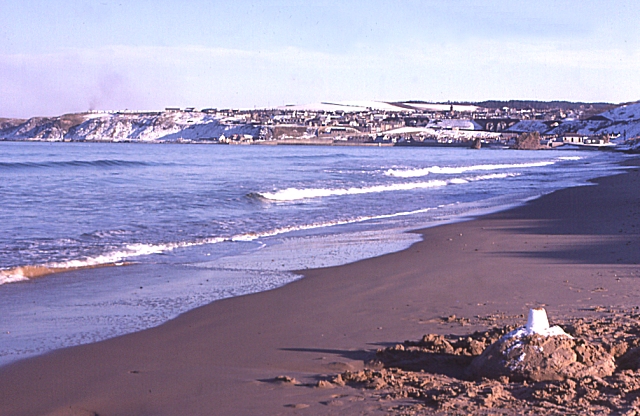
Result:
622,123
139,127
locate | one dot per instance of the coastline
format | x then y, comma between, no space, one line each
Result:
554,251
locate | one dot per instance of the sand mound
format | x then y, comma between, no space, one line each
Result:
539,352
539,358
494,372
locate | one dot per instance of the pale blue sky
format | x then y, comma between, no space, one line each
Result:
62,56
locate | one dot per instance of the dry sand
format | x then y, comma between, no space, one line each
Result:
575,252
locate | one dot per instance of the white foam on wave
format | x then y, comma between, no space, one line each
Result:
296,194
117,257
284,230
492,176
132,251
8,276
459,181
453,170
571,158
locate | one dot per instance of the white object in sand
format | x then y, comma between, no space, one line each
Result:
537,323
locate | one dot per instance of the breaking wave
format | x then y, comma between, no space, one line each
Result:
114,258
125,256
571,158
296,194
453,170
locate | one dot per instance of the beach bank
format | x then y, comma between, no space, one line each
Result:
570,251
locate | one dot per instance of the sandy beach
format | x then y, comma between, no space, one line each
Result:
574,252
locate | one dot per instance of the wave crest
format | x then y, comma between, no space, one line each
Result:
296,194
123,257
453,170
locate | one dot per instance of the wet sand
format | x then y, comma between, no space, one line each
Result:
573,251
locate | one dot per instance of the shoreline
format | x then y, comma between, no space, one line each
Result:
337,143
110,312
555,250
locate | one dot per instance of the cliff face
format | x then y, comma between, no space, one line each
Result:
139,127
528,141
8,123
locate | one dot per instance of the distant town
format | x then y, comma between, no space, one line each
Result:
524,124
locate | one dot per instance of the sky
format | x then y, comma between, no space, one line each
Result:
65,56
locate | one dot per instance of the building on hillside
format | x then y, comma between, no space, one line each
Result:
574,138
577,138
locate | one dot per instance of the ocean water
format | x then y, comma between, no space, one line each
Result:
182,225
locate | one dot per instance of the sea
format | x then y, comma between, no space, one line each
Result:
103,239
